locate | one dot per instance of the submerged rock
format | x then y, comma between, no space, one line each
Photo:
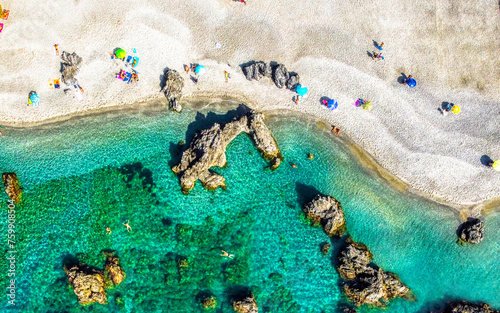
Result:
12,187
257,70
69,67
327,211
173,89
464,307
208,149
471,231
113,272
280,76
366,283
87,283
245,304
325,247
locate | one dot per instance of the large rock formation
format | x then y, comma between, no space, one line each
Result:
471,231
87,283
365,282
327,211
464,307
280,76
208,148
173,89
257,70
12,188
69,67
113,272
245,304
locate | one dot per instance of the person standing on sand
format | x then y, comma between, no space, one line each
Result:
226,74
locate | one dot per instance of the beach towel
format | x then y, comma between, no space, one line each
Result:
135,61
1,27
6,14
128,77
51,83
129,58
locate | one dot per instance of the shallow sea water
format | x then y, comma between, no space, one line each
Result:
82,176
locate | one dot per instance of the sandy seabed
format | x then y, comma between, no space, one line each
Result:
450,47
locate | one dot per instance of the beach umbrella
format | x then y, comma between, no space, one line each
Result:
120,53
367,105
411,82
200,70
496,165
35,99
332,104
455,109
301,91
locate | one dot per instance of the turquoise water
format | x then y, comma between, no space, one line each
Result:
82,176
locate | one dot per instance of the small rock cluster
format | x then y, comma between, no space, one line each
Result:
471,231
89,284
279,74
173,89
12,187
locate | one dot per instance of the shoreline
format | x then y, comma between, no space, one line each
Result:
363,157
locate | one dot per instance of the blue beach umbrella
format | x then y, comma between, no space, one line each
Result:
332,104
411,82
200,70
301,91
35,99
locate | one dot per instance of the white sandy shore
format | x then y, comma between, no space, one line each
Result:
450,47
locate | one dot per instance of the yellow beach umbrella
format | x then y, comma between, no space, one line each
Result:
455,109
496,165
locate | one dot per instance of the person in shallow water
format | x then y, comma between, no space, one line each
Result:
311,156
108,230
224,253
127,225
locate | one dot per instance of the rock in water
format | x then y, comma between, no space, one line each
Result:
113,272
12,187
208,148
173,89
87,283
367,283
325,247
245,304
327,211
471,231
280,76
464,307
69,67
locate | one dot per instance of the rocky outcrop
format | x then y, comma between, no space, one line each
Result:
173,89
87,283
12,187
464,307
208,149
327,211
279,74
69,67
113,272
245,304
471,231
257,70
366,283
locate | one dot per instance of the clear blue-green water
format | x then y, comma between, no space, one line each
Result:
84,175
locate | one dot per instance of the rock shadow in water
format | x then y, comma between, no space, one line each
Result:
305,193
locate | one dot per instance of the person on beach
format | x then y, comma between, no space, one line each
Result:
127,225
490,164
298,99
186,68
224,253
406,80
380,46
336,130
377,56
226,74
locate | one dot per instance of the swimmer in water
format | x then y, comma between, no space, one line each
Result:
224,253
127,225
108,230
311,156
